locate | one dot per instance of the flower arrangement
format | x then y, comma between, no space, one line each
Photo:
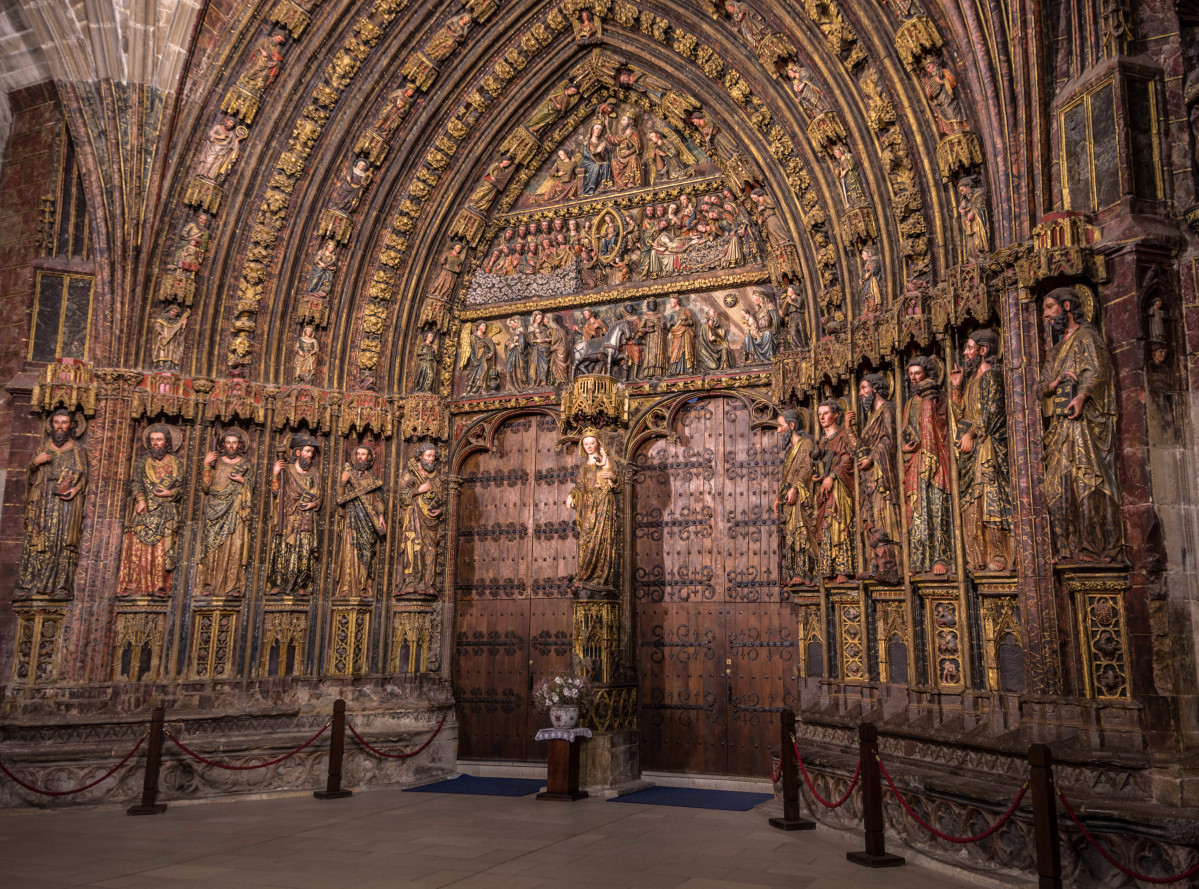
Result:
559,691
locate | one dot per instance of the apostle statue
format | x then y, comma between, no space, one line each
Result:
879,507
451,266
263,66
927,483
427,358
225,518
984,479
167,351
152,526
54,486
832,471
296,486
1078,398
794,503
593,499
423,500
682,338
363,525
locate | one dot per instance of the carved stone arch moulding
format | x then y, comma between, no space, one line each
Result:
478,435
657,420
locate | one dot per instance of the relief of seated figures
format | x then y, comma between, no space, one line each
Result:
673,216
679,336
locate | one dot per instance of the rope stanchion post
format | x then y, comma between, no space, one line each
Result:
149,804
1044,814
875,853
337,747
789,768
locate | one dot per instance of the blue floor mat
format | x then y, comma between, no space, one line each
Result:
696,798
482,786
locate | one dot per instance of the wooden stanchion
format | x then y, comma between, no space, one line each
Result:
149,804
789,766
337,747
875,854
1044,817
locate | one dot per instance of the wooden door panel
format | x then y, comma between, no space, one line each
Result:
762,656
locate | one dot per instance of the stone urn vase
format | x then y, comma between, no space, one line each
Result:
564,717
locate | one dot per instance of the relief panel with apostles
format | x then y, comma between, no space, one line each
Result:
515,556
716,651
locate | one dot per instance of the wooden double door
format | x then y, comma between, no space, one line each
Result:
715,644
515,558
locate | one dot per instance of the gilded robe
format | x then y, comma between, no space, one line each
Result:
797,519
984,480
879,509
682,343
363,526
426,368
595,505
713,347
836,553
53,525
1080,454
421,528
225,533
926,481
294,554
148,555
653,332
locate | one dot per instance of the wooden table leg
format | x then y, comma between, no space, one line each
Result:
562,773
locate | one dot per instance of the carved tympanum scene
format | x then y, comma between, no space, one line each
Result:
738,357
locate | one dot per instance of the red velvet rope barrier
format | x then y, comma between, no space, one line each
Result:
778,773
857,773
1190,872
261,765
1003,819
361,740
104,777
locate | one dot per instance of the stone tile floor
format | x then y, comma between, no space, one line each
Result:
394,840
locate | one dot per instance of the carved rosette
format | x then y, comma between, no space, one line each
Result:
67,383
336,225
163,394
214,639
242,103
915,39
372,145
851,635
415,632
425,416
594,400
958,153
176,288
349,643
203,194
287,14
39,629
1099,602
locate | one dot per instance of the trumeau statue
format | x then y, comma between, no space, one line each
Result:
879,507
984,481
422,526
836,552
927,483
363,525
1078,399
54,504
794,503
593,499
225,519
296,485
152,526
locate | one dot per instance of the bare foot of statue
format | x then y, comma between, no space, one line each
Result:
997,565
940,569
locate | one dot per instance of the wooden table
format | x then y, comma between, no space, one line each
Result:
562,771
